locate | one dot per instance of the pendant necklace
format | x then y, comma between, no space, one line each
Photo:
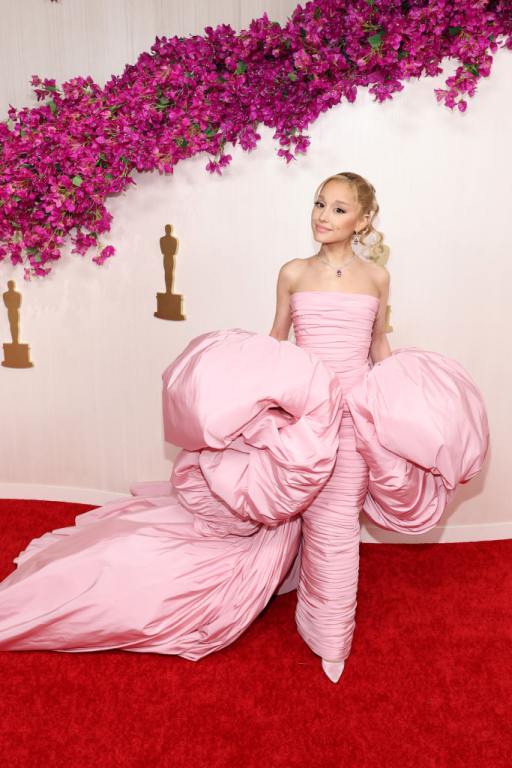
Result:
336,269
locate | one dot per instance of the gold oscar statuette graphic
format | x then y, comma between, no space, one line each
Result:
169,304
16,355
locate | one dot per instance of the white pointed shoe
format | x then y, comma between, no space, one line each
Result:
333,669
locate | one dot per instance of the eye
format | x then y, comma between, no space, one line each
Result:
319,203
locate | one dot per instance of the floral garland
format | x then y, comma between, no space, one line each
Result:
60,161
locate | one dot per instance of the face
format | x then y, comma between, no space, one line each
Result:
335,216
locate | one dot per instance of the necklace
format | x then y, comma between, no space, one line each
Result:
336,269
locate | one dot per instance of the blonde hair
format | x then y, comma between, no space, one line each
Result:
366,199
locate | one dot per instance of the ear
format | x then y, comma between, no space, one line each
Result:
365,219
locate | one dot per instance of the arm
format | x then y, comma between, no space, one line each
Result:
283,319
380,348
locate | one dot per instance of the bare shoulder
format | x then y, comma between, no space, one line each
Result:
291,270
292,267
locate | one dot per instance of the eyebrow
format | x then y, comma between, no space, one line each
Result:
336,201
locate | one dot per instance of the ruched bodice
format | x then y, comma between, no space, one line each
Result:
337,327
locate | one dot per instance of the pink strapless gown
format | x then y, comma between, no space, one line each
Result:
281,446
337,328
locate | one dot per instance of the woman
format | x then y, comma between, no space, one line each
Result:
341,329
266,493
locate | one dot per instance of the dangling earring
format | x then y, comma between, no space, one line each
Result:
356,238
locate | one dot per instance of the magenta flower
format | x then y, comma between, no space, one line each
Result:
105,253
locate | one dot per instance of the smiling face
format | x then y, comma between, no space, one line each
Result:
335,215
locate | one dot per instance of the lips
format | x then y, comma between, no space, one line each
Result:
322,229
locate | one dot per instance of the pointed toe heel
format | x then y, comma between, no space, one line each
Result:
333,669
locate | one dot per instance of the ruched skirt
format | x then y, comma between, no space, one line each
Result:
329,560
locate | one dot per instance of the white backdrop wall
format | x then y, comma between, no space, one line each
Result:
85,421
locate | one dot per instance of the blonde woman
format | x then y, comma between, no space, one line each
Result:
337,303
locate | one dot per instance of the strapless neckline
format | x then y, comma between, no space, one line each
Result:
342,293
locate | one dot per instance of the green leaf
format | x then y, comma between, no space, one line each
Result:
77,180
35,253
51,88
53,106
162,103
454,31
473,69
292,76
240,68
375,40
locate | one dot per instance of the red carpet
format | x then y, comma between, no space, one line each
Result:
428,682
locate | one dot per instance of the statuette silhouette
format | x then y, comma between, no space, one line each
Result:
169,304
16,355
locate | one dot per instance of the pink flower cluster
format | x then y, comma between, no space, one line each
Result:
60,161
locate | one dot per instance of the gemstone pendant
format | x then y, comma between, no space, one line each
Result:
338,273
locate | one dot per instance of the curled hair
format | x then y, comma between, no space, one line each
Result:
366,199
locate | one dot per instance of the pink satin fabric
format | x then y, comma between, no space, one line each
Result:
259,446
186,566
282,445
422,428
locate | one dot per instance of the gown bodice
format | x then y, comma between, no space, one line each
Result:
337,327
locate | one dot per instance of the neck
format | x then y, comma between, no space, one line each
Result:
336,256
